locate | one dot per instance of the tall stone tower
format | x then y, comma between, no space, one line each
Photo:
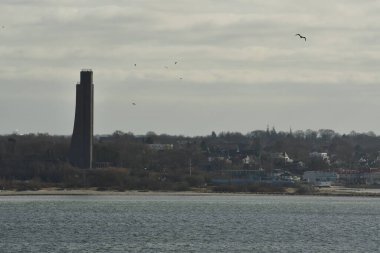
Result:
81,140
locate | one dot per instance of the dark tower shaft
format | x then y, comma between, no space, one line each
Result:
81,141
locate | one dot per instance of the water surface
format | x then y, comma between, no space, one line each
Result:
238,223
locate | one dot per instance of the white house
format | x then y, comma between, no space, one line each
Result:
283,156
323,156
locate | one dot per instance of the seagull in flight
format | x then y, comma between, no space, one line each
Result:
301,37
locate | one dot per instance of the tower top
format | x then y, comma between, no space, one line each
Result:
86,76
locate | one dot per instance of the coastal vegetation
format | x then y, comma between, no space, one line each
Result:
124,161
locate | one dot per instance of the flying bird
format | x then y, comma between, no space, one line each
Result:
135,65
301,37
133,103
175,62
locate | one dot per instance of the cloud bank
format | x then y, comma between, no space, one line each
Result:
240,67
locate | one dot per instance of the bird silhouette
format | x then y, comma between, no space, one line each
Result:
175,62
133,103
301,37
135,65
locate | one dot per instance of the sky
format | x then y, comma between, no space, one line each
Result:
240,66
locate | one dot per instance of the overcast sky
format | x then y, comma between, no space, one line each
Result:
242,67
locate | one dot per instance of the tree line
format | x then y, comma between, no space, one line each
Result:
127,161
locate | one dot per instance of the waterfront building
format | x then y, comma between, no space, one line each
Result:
320,178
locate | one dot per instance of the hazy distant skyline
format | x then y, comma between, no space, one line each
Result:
242,67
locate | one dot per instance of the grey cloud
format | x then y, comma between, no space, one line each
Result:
239,61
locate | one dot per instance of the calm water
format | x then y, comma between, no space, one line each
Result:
189,224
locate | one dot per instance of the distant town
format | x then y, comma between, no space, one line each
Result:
260,161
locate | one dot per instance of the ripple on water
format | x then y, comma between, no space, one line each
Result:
189,224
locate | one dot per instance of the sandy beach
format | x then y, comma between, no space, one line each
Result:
90,191
330,191
340,190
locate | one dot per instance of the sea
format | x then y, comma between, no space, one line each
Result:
199,223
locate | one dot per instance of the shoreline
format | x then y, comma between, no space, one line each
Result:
328,192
